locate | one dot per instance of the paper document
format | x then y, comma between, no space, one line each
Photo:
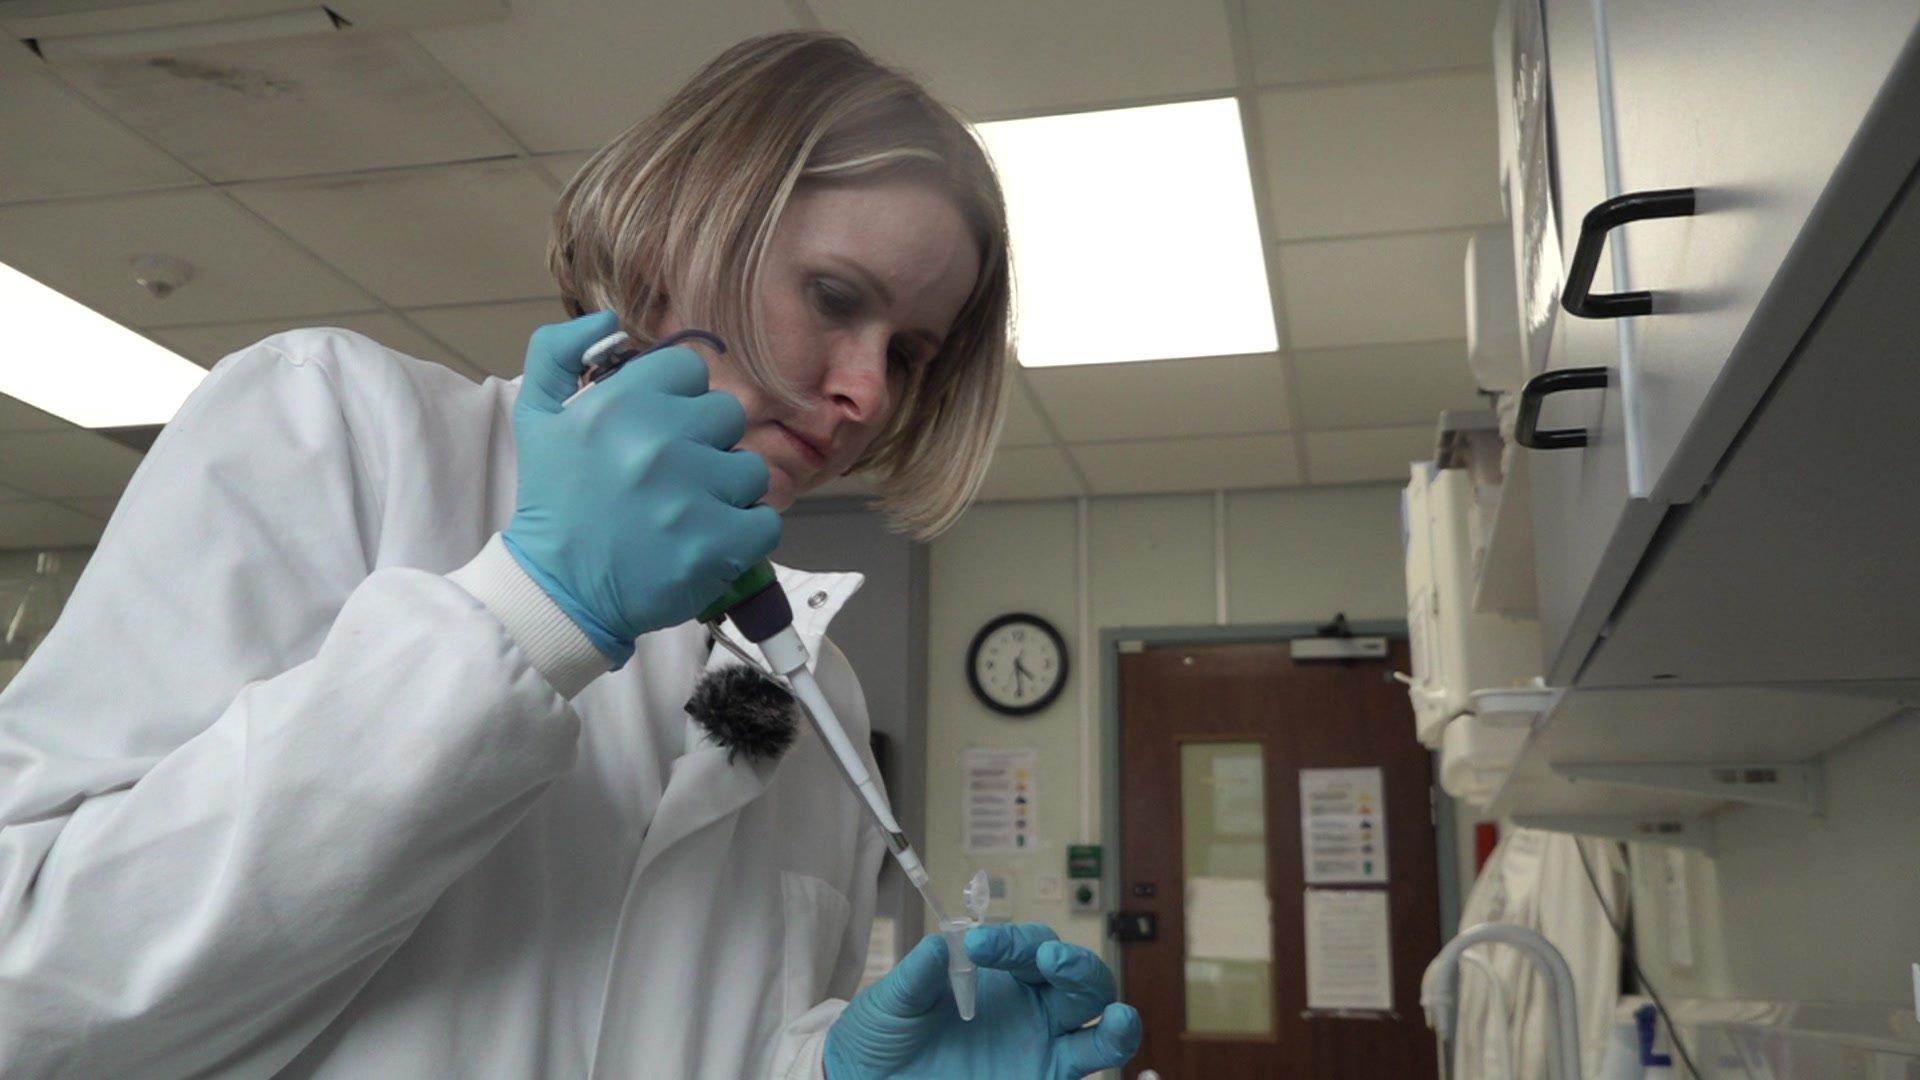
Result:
1349,955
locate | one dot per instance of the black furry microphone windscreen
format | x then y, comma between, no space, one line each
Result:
747,712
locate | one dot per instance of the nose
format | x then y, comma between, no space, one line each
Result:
856,379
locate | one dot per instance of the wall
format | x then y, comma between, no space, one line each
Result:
1794,907
1297,555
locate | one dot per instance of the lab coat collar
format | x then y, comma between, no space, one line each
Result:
703,786
816,597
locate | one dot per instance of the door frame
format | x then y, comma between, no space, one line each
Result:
1444,825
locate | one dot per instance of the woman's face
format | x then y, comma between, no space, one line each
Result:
861,284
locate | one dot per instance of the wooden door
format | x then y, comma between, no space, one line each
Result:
1213,741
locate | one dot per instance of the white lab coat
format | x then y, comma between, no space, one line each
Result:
1534,879
279,796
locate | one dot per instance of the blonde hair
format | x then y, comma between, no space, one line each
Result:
691,196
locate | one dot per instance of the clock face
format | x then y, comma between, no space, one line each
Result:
1018,664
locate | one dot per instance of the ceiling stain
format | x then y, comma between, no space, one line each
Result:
242,81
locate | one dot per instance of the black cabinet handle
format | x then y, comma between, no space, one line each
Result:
1578,297
1526,424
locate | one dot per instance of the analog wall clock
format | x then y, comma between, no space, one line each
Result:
1017,664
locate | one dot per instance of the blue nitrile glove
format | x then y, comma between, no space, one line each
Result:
634,512
1035,993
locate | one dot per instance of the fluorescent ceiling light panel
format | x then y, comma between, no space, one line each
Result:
65,358
1134,234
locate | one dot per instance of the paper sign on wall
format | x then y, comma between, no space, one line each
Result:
1000,791
1343,826
1349,956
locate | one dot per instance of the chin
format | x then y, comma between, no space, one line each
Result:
780,492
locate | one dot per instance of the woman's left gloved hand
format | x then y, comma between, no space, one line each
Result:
1036,992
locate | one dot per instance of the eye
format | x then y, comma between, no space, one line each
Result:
902,357
833,300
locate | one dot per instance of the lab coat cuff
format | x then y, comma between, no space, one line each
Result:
553,643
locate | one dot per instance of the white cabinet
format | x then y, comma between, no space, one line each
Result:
1751,104
1493,319
1767,110
1456,650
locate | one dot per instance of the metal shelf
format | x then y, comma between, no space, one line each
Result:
1653,765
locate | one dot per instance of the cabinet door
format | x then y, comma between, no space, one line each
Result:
1587,530
1752,103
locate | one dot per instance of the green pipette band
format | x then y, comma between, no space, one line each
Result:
759,577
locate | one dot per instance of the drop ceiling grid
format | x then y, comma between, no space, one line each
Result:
457,90
1265,216
557,163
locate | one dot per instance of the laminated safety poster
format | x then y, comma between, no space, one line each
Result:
999,793
1343,826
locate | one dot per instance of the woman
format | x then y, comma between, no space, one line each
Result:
325,771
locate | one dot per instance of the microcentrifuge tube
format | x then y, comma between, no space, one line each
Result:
961,973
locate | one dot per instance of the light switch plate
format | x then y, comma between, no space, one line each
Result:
1916,991
1046,887
999,896
1083,897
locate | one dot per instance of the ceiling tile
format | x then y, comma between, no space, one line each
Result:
38,524
1353,457
241,268
206,345
54,143
101,508
71,464
1023,425
1305,42
992,58
17,415
1381,157
452,235
1034,472
562,166
1214,395
1375,289
293,107
1382,385
492,337
571,74
1242,461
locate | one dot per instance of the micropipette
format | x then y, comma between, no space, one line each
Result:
611,353
758,607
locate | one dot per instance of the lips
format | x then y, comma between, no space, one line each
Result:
811,452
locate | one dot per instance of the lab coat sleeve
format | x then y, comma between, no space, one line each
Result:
802,1049
242,766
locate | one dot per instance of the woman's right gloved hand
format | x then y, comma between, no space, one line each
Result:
634,510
